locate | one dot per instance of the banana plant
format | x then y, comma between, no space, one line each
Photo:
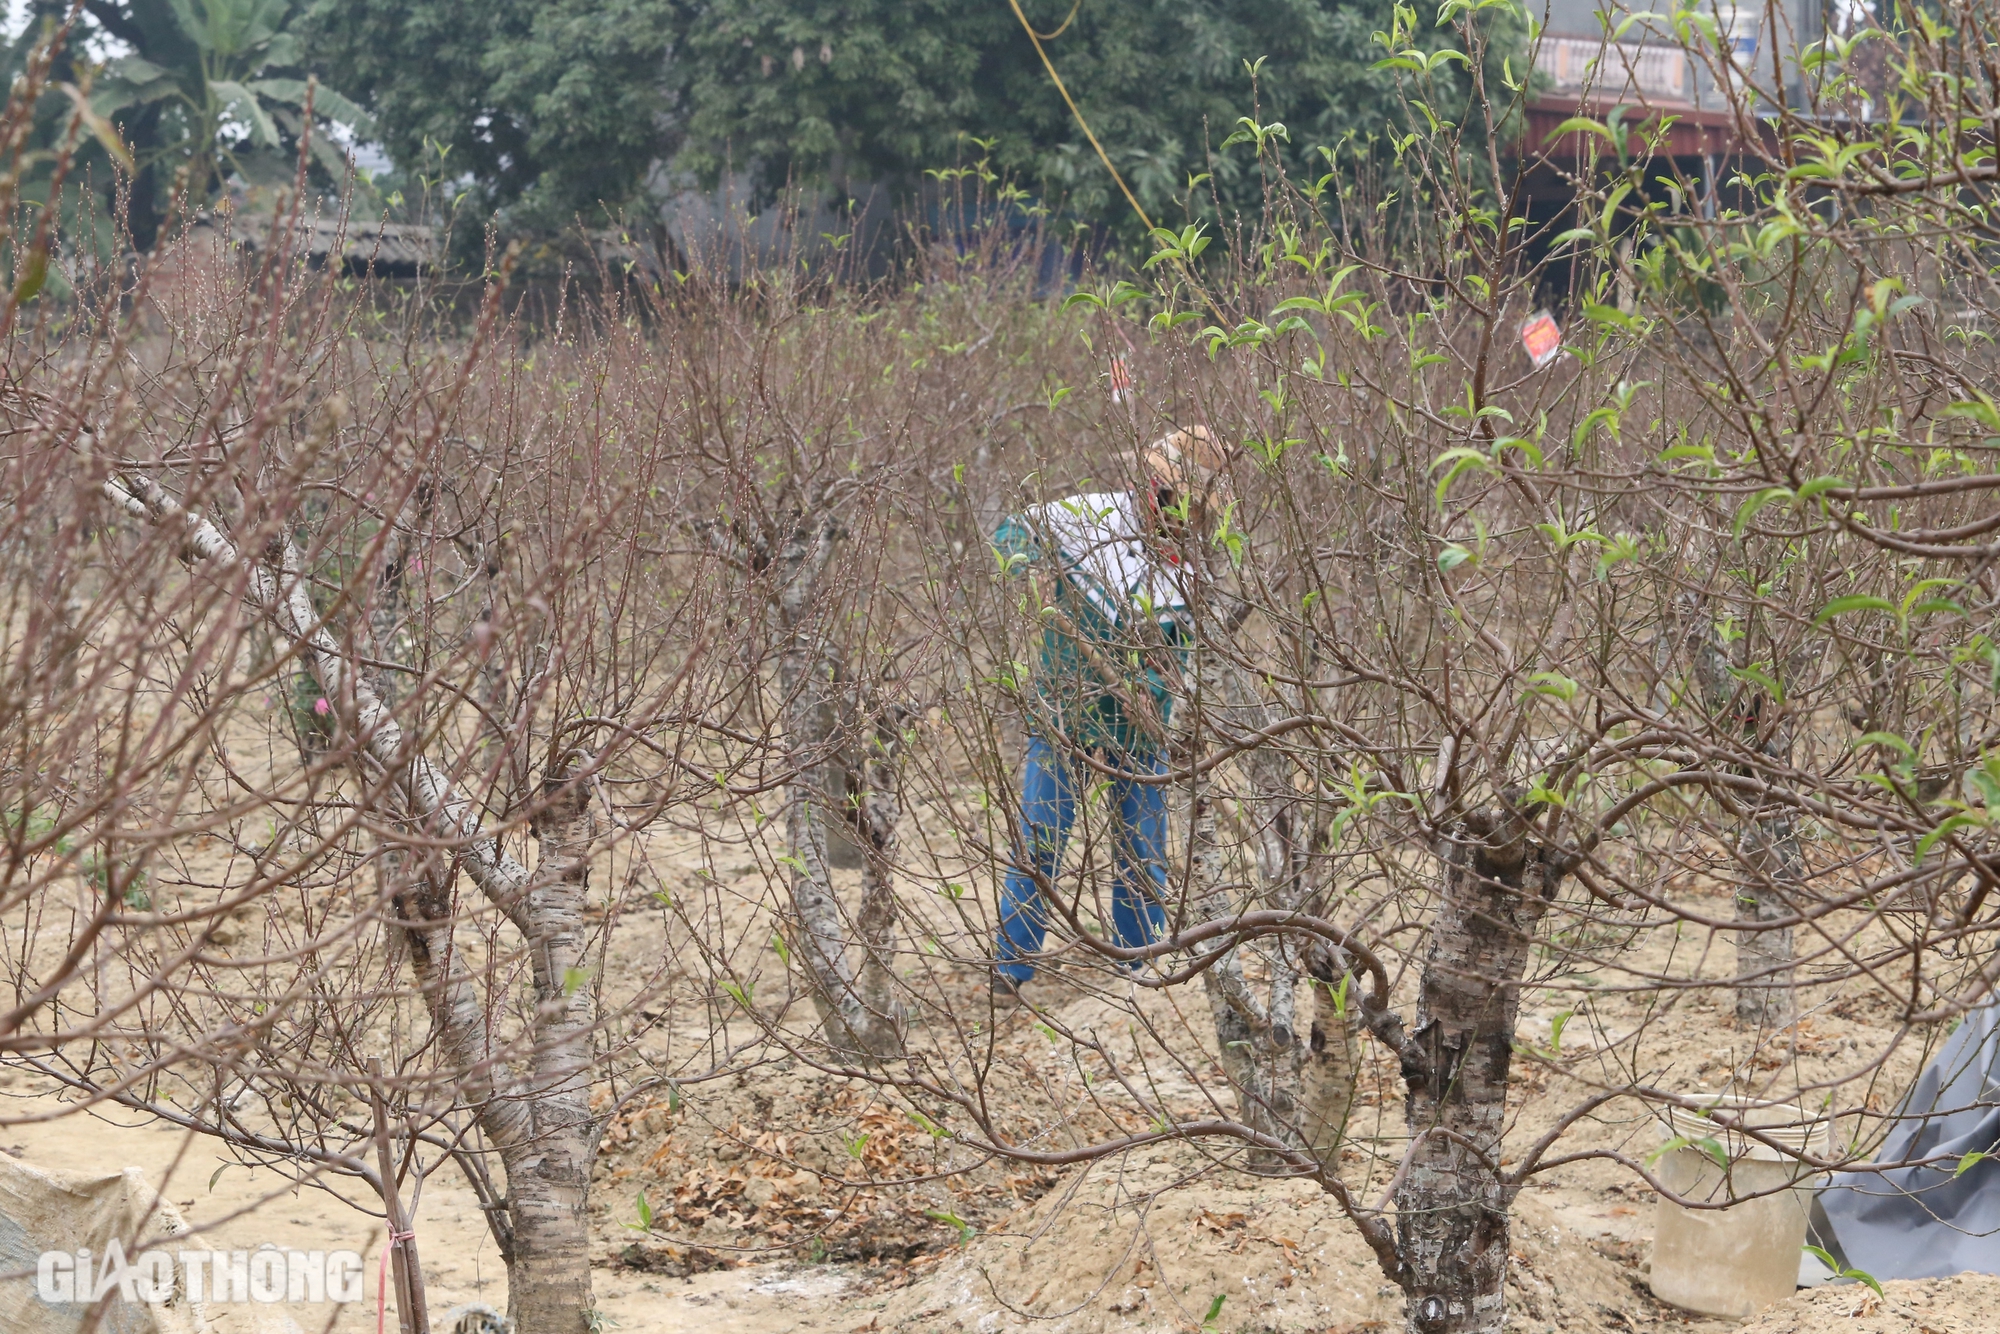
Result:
213,87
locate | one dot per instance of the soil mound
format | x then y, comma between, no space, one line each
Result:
1140,1247
1962,1304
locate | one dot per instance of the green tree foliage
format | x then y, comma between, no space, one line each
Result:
885,87
555,109
48,131
562,107
224,78
203,92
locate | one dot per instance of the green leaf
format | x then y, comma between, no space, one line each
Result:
1456,461
1759,675
1841,1271
1889,739
1982,410
1706,453
1579,124
738,993
1863,1276
1853,602
1914,601
1967,1161
1556,1026
572,979
1677,1142
34,273
243,104
1214,1309
1945,829
1552,683
930,1127
136,70
645,1223
1749,508
93,118
966,1231
326,102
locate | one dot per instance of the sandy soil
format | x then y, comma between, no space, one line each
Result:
1964,1304
1117,1247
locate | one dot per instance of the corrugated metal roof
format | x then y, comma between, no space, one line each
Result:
388,247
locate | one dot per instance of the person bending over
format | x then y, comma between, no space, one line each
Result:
1115,634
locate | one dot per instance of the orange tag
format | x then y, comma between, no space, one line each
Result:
1540,337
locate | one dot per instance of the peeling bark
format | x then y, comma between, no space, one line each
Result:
1451,1206
878,812
548,1167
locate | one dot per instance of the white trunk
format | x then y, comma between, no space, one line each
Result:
541,1126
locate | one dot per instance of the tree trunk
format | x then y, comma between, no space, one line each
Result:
1255,1037
1765,998
1274,809
1332,1062
1451,1208
1768,847
548,1168
386,609
878,812
853,1026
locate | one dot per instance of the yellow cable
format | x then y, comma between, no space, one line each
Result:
1051,36
1102,156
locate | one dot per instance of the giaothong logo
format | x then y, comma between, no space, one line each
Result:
264,1275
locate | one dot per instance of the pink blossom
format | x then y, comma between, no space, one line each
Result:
322,708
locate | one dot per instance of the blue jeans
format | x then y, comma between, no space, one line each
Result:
1048,809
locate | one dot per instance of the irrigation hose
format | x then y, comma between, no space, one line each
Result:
1102,156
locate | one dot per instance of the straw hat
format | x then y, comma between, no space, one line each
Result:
1189,462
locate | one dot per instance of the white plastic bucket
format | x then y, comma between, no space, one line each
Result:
1738,1260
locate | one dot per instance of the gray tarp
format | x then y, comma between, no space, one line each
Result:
1929,1221
60,1211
